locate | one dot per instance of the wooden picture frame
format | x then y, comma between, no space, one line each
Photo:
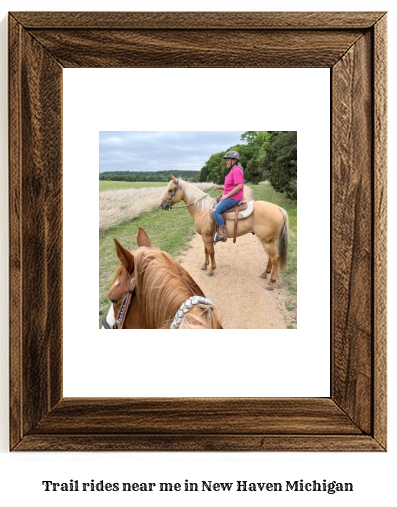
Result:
353,46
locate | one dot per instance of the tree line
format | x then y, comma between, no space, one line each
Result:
265,155
147,175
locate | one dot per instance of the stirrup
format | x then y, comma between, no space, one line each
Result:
216,239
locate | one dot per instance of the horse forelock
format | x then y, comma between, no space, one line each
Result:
119,285
116,278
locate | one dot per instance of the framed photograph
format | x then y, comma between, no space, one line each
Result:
353,47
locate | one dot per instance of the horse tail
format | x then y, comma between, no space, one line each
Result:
283,241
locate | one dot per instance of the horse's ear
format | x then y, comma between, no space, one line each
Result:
125,257
175,180
142,238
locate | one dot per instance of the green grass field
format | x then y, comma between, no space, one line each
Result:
116,185
172,230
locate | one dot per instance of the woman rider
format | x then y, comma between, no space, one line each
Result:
233,193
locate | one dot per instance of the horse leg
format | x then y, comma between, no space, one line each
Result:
272,264
206,260
267,270
210,250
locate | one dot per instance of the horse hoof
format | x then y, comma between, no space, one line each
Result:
203,268
210,274
263,277
268,287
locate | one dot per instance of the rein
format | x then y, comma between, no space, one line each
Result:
190,203
186,306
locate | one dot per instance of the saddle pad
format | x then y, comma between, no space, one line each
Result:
241,214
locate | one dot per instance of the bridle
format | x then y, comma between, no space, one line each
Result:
185,307
171,194
125,306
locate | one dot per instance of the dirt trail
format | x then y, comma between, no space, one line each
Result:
236,288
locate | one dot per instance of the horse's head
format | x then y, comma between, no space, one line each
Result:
123,281
149,288
174,194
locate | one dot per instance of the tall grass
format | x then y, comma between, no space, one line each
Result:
116,185
119,206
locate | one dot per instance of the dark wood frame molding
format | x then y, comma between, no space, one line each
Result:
353,46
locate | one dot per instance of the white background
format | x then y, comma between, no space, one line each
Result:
266,361
21,474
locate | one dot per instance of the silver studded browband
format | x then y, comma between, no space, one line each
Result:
186,306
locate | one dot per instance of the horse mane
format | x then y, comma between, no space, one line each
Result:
195,195
162,285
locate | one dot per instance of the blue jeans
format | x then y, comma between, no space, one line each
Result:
221,207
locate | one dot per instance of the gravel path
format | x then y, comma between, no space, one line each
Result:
236,288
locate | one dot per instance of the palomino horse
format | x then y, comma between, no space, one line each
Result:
268,221
151,290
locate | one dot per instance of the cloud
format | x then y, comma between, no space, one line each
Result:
161,150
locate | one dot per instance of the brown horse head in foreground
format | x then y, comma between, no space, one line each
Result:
268,222
150,287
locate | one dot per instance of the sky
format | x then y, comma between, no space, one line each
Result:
158,151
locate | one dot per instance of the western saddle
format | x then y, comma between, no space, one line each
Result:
243,209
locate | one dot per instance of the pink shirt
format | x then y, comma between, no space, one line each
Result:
233,178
